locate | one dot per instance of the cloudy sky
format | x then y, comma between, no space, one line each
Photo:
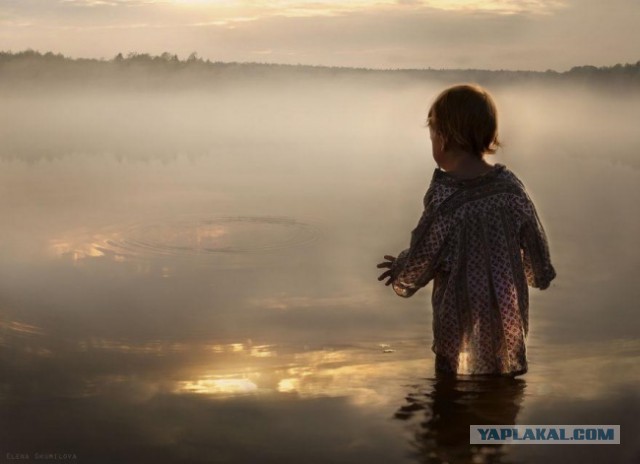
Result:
487,34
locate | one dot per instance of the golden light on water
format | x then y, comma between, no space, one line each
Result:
213,238
75,251
20,327
359,372
365,373
288,385
267,369
217,386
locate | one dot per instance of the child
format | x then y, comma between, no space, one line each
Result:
479,238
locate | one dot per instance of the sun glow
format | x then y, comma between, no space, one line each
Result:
229,13
498,6
309,7
226,11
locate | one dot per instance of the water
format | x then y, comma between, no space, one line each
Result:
191,277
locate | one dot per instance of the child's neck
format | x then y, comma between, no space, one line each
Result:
464,165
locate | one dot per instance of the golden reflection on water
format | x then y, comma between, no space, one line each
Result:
20,327
214,386
192,236
354,371
368,373
76,251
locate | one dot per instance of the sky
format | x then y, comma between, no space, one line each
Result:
482,34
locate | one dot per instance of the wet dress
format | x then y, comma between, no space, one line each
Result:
482,243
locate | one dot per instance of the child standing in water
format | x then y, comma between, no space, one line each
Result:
479,239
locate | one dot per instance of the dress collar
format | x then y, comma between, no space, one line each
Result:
445,178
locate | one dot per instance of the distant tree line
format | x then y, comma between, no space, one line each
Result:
29,65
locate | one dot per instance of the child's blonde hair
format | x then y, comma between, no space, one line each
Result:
467,118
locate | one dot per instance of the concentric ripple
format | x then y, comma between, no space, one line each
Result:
235,235
218,235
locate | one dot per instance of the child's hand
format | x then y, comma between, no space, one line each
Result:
388,264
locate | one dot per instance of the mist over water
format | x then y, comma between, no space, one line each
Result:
193,263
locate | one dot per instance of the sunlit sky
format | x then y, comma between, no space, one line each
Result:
486,34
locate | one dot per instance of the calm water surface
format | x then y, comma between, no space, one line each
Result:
218,301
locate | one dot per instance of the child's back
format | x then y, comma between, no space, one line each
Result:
481,241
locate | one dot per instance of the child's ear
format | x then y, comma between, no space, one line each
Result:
443,142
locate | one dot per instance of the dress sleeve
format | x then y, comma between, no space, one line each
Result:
415,267
535,250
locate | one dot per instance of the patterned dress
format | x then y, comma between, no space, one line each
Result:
482,243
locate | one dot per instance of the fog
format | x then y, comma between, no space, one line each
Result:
163,238
344,162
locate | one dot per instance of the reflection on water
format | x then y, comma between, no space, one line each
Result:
196,398
441,412
187,237
212,369
231,401
218,301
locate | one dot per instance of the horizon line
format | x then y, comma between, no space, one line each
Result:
129,55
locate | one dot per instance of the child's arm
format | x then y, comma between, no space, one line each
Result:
415,267
535,251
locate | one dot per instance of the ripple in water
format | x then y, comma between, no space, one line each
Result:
238,235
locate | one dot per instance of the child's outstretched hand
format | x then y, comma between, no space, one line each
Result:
386,264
